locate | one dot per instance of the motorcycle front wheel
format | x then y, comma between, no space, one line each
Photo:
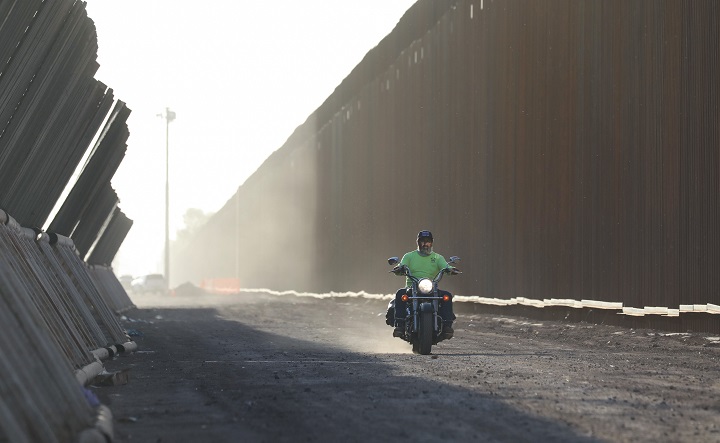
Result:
425,333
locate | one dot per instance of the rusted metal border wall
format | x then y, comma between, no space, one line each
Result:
564,149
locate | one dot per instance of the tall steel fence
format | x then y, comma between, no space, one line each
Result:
58,316
566,150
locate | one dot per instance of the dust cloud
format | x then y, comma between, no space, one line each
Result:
265,235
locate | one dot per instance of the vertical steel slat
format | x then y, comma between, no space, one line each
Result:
74,337
39,402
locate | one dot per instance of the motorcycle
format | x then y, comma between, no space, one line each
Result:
423,324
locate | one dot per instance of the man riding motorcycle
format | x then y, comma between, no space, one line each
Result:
423,263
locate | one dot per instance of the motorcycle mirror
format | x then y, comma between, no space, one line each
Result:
392,261
454,258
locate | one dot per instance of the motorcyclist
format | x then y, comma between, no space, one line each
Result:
423,263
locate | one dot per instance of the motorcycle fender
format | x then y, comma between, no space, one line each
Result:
426,307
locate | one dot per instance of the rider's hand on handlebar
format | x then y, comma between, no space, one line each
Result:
452,270
398,270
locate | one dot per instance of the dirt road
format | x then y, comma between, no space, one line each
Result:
262,368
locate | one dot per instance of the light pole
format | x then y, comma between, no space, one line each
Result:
168,116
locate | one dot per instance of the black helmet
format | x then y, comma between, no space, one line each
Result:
424,234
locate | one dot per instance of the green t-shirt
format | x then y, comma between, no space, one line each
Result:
423,267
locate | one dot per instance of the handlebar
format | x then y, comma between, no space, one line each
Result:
404,270
424,297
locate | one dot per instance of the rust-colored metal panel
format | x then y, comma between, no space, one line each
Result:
563,148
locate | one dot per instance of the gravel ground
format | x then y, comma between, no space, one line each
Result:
263,368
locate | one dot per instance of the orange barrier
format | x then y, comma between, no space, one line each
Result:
221,285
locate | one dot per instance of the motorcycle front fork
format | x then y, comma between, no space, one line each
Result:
437,326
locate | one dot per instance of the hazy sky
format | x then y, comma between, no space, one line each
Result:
240,75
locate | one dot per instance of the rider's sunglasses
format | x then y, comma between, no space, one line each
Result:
425,240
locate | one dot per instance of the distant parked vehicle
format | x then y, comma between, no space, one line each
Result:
151,283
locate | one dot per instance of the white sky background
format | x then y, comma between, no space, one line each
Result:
240,75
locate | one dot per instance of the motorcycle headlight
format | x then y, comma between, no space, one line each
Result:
425,286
